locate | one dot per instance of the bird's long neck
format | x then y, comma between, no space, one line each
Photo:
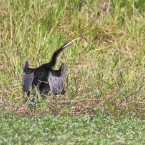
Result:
57,52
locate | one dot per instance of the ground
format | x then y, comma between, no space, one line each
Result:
106,71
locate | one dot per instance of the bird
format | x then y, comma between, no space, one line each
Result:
44,78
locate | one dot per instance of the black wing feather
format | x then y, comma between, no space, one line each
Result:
27,78
57,82
27,81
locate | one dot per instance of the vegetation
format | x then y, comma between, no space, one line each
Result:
106,70
70,130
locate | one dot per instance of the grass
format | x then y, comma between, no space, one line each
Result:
106,66
70,130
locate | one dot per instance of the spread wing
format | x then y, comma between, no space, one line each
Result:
57,80
27,77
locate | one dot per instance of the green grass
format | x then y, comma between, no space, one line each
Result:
70,130
106,67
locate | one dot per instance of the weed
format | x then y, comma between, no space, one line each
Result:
106,67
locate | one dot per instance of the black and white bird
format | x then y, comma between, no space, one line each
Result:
44,78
